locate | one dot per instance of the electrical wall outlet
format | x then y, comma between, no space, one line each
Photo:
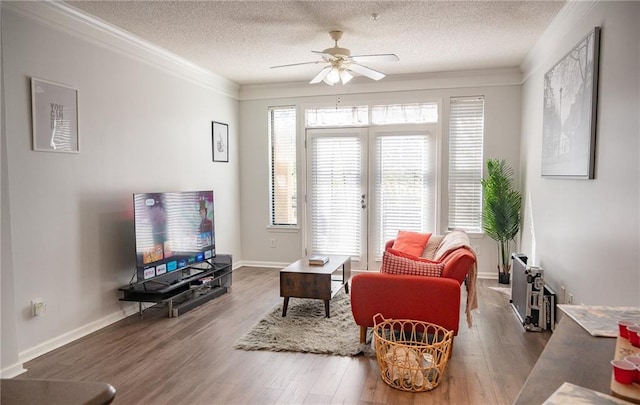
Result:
569,298
38,307
563,295
273,242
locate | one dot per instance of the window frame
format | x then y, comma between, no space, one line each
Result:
271,146
479,168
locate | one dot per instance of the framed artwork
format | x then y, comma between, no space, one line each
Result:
54,114
569,117
220,141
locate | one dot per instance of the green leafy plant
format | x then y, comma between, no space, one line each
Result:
501,210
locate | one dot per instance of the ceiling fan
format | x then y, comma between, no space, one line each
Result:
340,64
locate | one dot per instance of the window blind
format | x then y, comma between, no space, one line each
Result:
405,186
335,195
282,146
466,134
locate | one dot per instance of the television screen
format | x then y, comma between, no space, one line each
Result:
173,231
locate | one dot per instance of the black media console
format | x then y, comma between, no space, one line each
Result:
184,289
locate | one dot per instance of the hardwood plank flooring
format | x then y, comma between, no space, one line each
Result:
153,359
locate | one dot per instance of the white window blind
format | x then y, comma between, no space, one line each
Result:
405,186
466,134
282,143
335,195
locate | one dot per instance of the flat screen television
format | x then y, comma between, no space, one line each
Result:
173,231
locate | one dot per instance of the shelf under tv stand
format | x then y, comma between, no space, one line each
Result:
185,289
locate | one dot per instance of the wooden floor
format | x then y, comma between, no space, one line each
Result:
154,359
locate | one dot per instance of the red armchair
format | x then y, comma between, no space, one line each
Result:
428,299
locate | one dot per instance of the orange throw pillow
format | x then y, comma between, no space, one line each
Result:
412,243
412,257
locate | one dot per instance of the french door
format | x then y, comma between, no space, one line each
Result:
364,184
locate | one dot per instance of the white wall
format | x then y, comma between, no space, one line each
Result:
9,347
585,233
143,127
502,139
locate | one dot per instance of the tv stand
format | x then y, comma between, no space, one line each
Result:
184,289
155,281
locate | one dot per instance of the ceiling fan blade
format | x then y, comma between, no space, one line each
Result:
298,64
328,82
321,76
345,76
367,72
326,56
382,57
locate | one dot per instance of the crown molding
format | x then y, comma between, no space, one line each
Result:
563,23
59,15
360,85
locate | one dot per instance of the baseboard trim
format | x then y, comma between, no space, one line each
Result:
59,341
127,310
488,275
13,370
270,265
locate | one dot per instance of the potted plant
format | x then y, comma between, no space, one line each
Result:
501,212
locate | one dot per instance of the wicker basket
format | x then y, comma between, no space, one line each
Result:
412,355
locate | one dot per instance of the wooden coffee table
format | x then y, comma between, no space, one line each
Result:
302,280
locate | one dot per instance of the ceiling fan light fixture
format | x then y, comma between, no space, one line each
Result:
340,65
334,75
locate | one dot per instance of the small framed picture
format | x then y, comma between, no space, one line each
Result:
54,114
220,141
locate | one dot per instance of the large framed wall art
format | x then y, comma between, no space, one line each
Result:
569,117
54,114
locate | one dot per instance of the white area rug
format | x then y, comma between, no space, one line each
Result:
306,329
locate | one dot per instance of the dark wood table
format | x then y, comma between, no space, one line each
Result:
302,280
25,391
571,355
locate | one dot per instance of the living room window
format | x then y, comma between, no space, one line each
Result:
282,151
466,134
419,113
405,184
364,184
337,116
371,170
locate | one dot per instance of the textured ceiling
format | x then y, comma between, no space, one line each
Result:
241,40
